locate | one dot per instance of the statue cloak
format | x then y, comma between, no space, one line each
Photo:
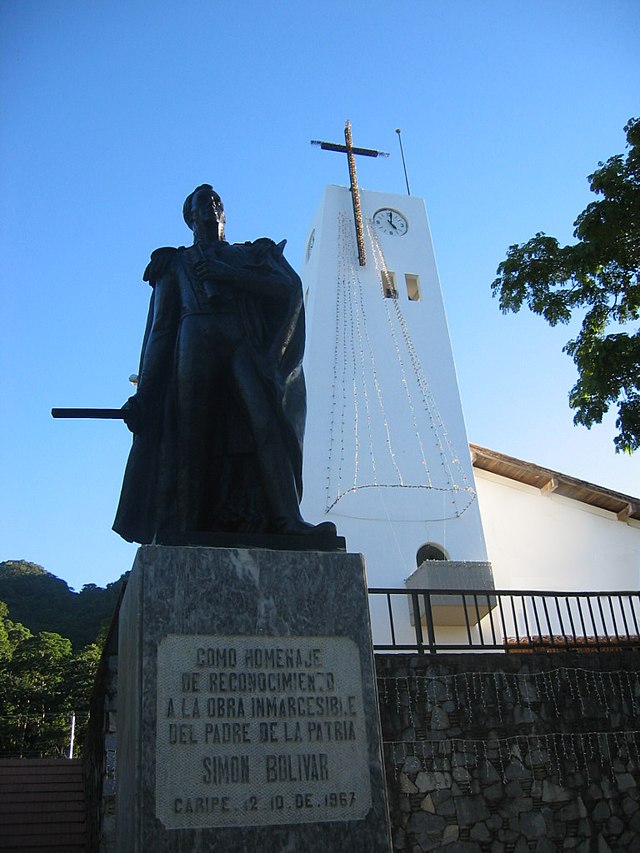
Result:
266,300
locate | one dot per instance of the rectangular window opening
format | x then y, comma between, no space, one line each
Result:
413,286
389,284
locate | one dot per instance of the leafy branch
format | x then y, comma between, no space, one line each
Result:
597,278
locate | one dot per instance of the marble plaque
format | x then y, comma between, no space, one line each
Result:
247,706
260,731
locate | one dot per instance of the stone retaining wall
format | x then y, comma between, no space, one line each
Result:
100,751
494,752
517,752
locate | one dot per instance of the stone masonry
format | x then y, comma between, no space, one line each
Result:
512,752
493,752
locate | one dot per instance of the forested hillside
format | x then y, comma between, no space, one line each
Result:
50,644
43,602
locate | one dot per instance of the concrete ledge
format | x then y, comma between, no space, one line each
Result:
449,610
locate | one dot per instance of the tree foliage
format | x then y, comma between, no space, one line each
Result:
597,279
48,664
44,602
42,683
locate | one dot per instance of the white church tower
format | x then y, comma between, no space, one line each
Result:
386,449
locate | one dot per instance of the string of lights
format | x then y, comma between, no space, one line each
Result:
359,429
468,690
450,759
448,457
361,387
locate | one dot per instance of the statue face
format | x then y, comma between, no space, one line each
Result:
207,207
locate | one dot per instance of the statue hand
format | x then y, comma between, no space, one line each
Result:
133,414
210,270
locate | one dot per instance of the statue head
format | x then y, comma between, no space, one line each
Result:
203,207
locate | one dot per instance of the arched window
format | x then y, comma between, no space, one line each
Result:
430,552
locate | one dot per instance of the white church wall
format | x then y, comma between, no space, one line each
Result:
386,450
550,542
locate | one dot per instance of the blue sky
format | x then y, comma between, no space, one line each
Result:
114,111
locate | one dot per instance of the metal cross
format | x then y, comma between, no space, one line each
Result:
350,151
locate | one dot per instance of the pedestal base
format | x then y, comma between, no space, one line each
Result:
247,705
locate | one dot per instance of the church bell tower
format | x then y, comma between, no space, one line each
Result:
386,450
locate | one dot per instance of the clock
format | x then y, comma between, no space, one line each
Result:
389,221
310,242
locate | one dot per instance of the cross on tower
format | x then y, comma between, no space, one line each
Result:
350,151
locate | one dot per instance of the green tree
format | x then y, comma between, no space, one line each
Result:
596,278
41,685
35,695
6,646
11,725
42,681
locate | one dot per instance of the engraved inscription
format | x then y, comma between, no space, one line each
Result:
254,730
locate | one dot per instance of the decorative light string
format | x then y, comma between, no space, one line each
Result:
414,699
575,752
339,395
334,389
358,311
356,382
448,456
359,296
383,273
469,690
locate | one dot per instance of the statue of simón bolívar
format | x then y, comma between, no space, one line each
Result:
218,415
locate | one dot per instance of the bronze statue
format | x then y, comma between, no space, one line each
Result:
218,415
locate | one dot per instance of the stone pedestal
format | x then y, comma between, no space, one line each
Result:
248,714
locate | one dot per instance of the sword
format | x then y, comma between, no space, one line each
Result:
103,414
106,414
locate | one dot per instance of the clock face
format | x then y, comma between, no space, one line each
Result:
389,221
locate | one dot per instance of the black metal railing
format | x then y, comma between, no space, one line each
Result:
430,620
